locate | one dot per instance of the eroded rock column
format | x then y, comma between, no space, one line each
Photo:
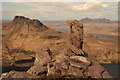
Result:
76,33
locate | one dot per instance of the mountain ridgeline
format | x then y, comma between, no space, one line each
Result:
23,20
20,21
99,20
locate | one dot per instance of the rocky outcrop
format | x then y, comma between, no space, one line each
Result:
72,61
76,67
43,57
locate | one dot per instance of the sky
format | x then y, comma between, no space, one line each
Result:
60,11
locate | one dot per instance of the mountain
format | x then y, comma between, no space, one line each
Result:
21,30
99,20
26,35
22,26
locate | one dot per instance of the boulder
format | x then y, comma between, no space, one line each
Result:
37,70
62,56
80,59
97,71
43,56
72,51
76,72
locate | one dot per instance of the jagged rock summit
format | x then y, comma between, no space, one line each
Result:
20,23
24,20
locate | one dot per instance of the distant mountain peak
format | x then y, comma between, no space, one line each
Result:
18,19
22,26
97,20
28,21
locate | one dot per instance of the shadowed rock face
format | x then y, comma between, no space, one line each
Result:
76,33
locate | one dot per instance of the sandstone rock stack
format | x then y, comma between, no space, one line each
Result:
76,33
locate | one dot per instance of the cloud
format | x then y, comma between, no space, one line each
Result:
90,6
60,10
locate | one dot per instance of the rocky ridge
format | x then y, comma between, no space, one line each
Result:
24,20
